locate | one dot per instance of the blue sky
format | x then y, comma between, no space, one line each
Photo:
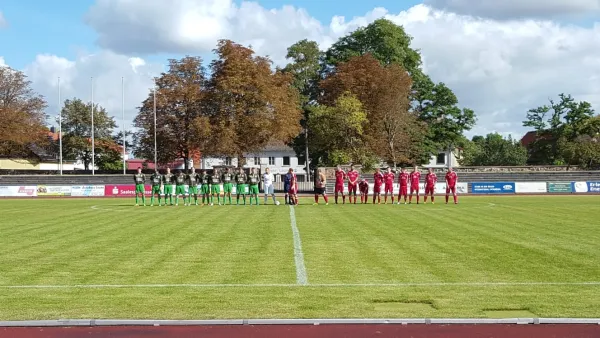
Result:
58,28
501,58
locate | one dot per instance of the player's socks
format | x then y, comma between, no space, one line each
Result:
432,199
144,199
455,199
137,199
326,199
425,199
316,199
446,199
336,199
418,199
344,199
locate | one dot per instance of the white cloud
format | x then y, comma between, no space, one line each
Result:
498,68
2,62
511,9
3,22
106,68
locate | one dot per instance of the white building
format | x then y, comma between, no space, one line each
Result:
278,157
443,159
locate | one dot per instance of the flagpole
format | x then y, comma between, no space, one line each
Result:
60,151
155,153
123,121
93,145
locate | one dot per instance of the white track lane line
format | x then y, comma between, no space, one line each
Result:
301,277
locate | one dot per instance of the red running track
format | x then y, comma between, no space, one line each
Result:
313,331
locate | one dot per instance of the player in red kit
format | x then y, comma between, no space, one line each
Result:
340,176
451,180
403,179
377,183
363,186
389,178
352,183
430,181
293,188
415,179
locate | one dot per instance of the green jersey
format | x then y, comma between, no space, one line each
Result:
205,179
241,178
193,179
215,179
227,178
253,179
180,179
168,179
139,178
156,179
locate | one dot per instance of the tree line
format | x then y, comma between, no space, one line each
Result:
365,100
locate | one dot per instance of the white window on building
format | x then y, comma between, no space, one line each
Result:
286,160
271,160
440,159
227,160
257,161
301,162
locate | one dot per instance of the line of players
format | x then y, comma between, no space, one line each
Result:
208,186
386,180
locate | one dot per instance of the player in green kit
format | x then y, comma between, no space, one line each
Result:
205,187
193,180
180,187
241,178
227,178
139,180
156,180
253,181
168,180
215,187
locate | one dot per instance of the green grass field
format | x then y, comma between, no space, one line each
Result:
486,257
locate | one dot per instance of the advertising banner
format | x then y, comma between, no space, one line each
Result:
53,190
87,190
530,187
586,187
18,191
124,190
493,188
560,187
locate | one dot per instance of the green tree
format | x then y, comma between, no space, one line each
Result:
182,115
305,67
435,104
77,133
339,132
383,39
558,125
493,150
250,104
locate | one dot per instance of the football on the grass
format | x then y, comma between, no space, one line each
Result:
276,202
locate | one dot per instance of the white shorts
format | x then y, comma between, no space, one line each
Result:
269,189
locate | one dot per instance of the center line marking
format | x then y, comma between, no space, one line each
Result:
301,278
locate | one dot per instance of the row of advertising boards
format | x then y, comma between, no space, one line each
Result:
462,188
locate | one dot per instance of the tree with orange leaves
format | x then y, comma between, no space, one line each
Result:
393,132
250,104
183,125
21,114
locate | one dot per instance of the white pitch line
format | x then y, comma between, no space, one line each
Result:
301,277
334,285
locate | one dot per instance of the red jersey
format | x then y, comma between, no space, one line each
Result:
378,178
352,177
340,175
431,179
403,179
293,180
389,178
363,186
451,178
415,178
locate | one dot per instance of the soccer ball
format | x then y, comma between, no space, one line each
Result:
276,202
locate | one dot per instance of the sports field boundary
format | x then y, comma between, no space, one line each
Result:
330,321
